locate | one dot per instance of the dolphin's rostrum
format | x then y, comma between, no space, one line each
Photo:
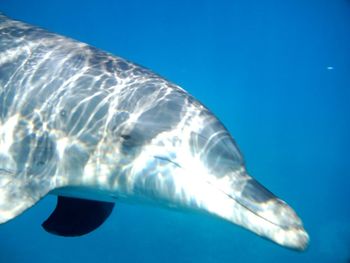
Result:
94,128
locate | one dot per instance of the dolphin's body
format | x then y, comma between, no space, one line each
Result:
93,128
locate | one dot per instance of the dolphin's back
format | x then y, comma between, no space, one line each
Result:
39,64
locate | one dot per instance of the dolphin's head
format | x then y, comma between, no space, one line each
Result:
183,156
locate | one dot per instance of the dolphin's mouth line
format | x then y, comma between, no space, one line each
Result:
252,211
284,227
163,158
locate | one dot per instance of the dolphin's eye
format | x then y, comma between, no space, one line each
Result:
126,136
129,141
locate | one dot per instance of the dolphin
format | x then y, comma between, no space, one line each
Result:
94,129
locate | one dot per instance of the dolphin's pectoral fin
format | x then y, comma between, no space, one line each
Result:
77,217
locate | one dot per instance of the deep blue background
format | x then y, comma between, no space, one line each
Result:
277,73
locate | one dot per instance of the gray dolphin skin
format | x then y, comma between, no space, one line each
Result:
93,128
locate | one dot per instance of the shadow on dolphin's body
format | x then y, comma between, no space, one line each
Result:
94,128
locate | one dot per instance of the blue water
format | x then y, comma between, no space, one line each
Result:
277,73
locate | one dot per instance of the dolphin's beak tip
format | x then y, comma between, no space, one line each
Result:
295,238
303,241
